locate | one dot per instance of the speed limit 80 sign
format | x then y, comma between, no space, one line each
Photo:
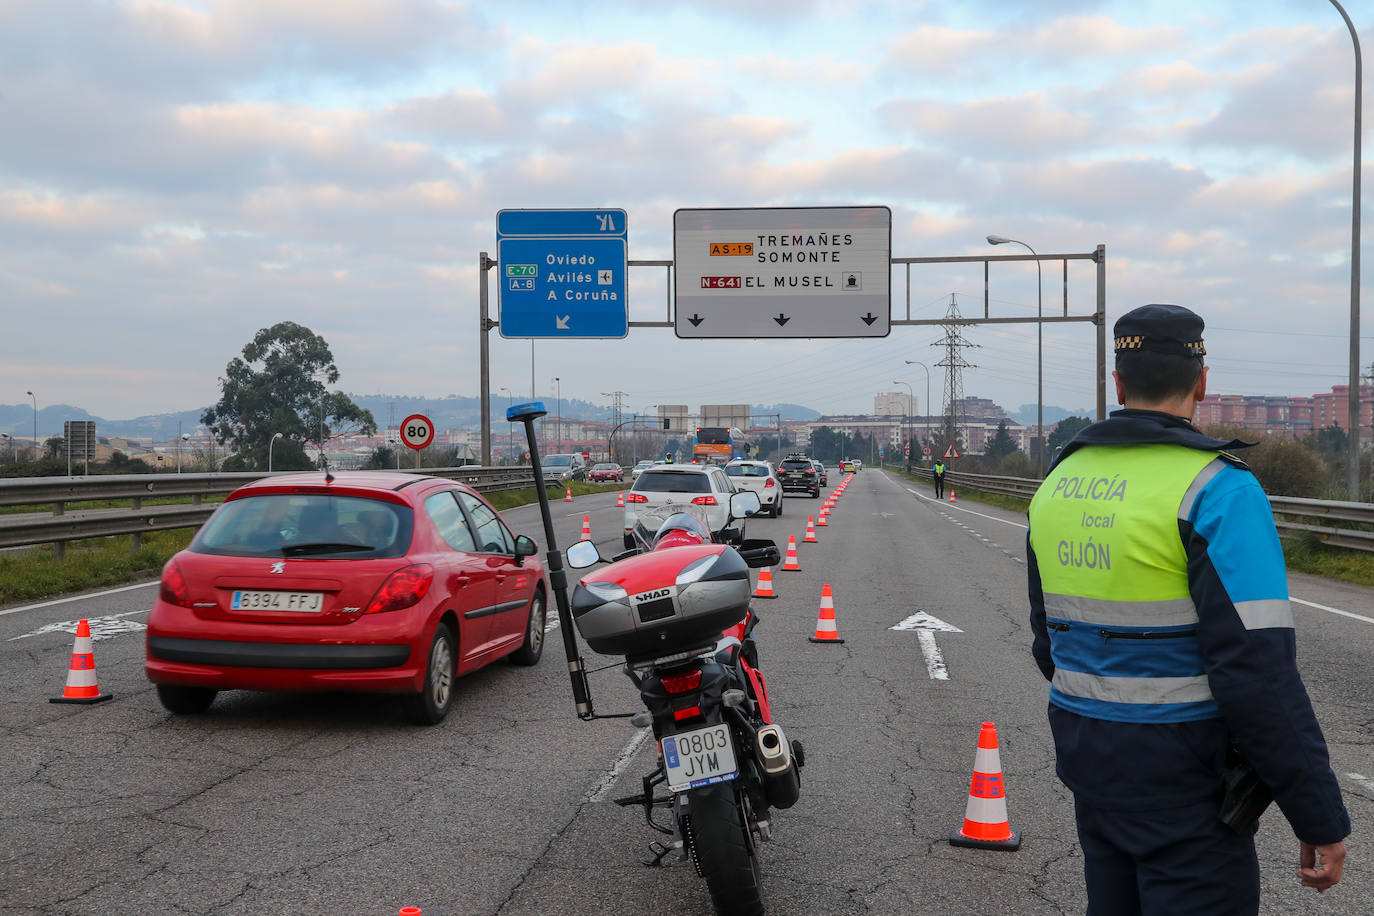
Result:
417,430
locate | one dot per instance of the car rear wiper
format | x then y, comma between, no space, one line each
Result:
293,550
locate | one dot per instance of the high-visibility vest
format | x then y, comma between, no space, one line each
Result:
1122,622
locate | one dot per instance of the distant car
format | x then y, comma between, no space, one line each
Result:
797,472
682,483
846,465
757,476
564,468
605,471
820,470
364,581
639,468
855,464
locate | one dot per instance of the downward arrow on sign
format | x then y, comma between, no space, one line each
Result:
561,323
926,626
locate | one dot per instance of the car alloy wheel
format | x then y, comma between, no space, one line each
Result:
431,704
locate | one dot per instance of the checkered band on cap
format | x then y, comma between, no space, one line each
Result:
1137,342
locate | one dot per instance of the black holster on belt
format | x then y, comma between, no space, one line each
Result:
1244,797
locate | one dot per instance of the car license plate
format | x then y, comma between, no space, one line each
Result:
310,602
698,758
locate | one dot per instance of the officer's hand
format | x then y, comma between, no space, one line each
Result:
1321,876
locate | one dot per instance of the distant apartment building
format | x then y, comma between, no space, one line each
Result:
894,404
1287,416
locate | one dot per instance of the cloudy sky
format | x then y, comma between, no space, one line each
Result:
176,174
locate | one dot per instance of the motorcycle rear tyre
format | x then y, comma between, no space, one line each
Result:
723,852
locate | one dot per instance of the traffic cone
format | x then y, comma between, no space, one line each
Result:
825,620
568,498
586,527
985,818
765,589
410,911
820,519
951,495
789,562
620,500
810,531
81,686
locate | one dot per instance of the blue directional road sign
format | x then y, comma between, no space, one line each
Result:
562,273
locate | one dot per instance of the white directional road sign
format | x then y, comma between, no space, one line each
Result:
417,431
783,272
926,626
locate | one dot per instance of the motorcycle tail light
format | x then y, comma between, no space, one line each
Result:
691,712
636,498
402,589
682,683
705,501
173,588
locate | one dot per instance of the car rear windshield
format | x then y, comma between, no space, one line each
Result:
672,482
797,465
746,470
306,525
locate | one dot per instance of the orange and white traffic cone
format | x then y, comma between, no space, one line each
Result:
810,531
820,519
81,686
951,495
620,500
765,589
825,620
568,498
586,527
789,562
985,818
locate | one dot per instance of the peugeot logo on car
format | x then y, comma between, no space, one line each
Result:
278,567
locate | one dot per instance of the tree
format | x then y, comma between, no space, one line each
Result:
278,386
1001,444
1063,433
1284,467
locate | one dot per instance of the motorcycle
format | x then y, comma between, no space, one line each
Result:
676,606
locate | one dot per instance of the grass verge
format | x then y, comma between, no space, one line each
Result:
36,574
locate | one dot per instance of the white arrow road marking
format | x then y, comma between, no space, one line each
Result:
926,626
106,627
562,323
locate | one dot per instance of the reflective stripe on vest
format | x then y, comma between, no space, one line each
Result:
1123,626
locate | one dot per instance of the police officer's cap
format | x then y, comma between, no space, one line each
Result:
1158,328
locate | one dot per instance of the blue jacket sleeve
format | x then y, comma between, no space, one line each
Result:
1040,645
1239,583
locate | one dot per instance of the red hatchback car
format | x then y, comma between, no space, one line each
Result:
604,472
365,580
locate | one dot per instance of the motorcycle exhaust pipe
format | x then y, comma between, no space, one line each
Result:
782,783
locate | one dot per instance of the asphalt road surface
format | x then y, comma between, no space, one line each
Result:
331,804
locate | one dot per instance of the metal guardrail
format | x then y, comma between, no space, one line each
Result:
21,530
1285,508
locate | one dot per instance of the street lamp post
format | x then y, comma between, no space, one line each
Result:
181,437
1353,477
916,362
35,423
906,419
1039,353
271,442
558,396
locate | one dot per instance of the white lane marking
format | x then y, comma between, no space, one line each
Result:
602,790
1320,607
106,627
551,623
1332,610
111,591
926,625
1363,781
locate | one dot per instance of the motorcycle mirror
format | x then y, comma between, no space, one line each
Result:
583,554
744,504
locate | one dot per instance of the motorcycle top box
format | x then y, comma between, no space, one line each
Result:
662,602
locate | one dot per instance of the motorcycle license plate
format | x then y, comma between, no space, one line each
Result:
277,601
698,758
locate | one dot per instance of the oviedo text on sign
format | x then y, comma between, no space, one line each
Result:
783,272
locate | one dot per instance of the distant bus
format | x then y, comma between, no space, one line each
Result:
719,444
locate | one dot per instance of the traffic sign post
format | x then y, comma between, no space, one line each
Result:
783,272
562,273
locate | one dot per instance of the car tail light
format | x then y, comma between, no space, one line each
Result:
704,501
173,589
809,473
682,683
636,498
768,483
402,589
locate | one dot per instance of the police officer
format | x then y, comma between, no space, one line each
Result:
1159,607
938,469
